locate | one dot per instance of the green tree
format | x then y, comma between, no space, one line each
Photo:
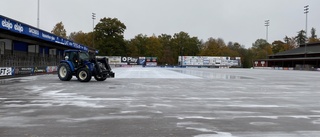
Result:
278,46
217,47
313,37
82,38
235,49
290,42
59,30
137,46
301,38
261,48
108,37
313,33
193,47
238,50
168,56
154,48
251,55
183,45
211,48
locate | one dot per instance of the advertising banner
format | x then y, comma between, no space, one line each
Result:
114,59
40,69
142,61
51,69
214,61
5,71
129,60
17,27
151,59
151,64
23,70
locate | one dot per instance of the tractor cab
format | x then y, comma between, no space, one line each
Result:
76,57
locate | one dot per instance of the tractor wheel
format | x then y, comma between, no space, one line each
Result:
64,72
84,75
99,78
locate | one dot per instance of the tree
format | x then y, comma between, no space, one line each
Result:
212,47
313,37
301,38
313,33
109,37
168,56
137,46
82,38
59,30
235,49
260,44
238,50
261,48
290,42
183,44
278,46
154,47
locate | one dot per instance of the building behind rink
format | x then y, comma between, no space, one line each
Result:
26,50
305,57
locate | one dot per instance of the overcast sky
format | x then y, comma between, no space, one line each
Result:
240,21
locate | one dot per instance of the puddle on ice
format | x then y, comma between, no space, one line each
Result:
210,75
263,123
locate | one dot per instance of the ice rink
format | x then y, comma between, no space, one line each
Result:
164,102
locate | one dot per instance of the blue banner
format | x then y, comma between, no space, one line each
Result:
17,27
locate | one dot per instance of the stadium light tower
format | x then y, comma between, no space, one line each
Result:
266,23
306,11
93,18
38,20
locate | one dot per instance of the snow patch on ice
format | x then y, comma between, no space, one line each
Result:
36,88
13,101
17,121
195,117
316,122
316,111
200,129
218,134
101,118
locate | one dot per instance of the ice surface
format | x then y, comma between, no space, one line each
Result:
180,102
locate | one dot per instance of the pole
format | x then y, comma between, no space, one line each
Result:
267,27
306,11
93,18
38,20
182,56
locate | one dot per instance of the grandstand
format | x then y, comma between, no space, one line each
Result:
305,57
24,46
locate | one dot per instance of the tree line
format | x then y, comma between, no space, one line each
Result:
108,38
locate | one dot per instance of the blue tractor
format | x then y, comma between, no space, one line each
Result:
83,65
